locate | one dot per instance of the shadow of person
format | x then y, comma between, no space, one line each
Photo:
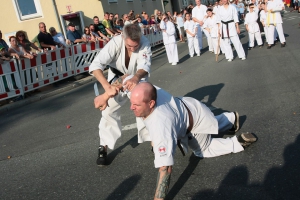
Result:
284,182
124,188
133,142
184,177
211,91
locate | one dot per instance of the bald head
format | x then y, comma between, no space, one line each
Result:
143,98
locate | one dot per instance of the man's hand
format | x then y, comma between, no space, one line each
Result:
131,83
238,29
112,91
53,47
101,101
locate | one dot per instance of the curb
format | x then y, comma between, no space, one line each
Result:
71,86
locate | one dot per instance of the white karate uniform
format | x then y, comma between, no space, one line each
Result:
253,27
169,121
192,41
170,41
199,13
212,24
113,54
274,20
226,15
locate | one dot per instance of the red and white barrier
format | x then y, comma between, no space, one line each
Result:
10,82
46,68
84,55
153,34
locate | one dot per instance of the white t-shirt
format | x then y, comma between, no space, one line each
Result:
59,38
190,25
199,12
179,21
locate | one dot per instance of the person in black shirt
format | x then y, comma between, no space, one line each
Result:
45,39
101,29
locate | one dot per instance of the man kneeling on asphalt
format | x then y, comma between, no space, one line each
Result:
185,121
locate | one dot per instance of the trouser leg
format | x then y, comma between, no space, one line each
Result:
173,52
199,35
210,47
266,34
196,45
251,39
270,34
214,41
258,38
169,53
280,32
191,46
238,46
110,124
227,49
225,121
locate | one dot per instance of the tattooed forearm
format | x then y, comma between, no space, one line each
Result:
163,182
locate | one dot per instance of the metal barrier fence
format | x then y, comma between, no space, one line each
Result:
20,76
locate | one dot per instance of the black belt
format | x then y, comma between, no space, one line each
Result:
116,72
227,29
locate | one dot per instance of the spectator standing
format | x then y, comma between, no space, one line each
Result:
191,32
180,26
2,42
88,35
18,49
198,13
159,17
241,9
169,39
126,20
45,39
107,24
145,21
112,24
73,35
101,29
139,22
152,20
57,37
24,42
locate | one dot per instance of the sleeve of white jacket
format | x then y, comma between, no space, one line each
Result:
106,55
235,15
145,55
171,29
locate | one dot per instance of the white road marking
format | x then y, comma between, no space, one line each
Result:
132,126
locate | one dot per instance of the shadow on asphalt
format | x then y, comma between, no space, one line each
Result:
132,142
279,183
124,188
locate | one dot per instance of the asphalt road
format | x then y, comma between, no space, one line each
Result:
40,158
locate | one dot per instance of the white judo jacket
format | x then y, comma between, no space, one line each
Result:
113,54
169,35
212,24
251,21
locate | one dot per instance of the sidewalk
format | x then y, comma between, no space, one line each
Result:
60,87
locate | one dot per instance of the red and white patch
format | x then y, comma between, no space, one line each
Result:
162,149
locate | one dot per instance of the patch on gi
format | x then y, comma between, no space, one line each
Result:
162,149
144,55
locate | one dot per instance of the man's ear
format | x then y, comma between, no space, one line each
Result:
152,103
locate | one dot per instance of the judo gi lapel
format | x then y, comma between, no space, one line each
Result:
132,63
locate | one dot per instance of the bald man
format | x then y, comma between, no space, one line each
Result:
169,120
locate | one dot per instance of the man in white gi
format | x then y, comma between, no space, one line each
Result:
191,33
169,39
252,27
198,13
229,21
274,20
129,53
169,119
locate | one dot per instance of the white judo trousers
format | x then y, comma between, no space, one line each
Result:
217,146
215,44
237,45
257,37
172,52
193,45
209,42
271,33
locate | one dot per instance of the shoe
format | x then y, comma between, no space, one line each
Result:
174,63
249,48
229,60
243,58
190,57
198,54
260,46
246,139
236,125
283,44
102,156
269,47
211,51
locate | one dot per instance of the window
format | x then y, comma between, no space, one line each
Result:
112,1
27,9
184,2
129,0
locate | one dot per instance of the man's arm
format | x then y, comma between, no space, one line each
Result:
163,182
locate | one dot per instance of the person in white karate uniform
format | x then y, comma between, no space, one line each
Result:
129,53
274,20
198,13
211,24
184,122
229,21
252,27
169,39
190,28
